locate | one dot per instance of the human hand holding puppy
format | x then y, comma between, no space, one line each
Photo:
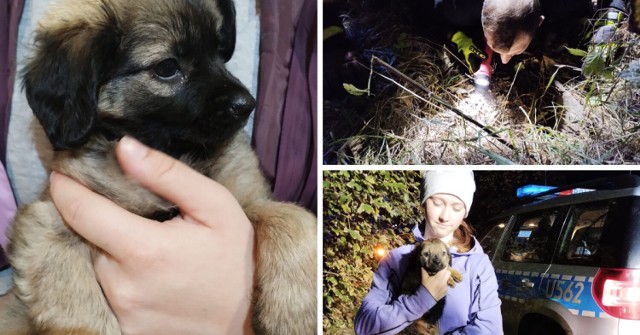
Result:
172,277
436,284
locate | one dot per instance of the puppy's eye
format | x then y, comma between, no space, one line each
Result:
167,69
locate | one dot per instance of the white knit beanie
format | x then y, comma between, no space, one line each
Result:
459,183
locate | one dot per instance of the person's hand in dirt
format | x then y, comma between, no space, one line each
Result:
468,49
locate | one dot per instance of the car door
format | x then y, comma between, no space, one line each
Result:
593,239
522,260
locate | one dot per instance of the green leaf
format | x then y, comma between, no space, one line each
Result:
366,250
345,198
346,208
371,179
501,160
329,252
594,63
576,52
355,235
329,300
331,31
343,297
365,208
553,76
354,90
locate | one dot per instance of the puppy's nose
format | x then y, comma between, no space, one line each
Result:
236,103
241,105
437,260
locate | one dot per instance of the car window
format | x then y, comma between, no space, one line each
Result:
490,240
582,240
532,238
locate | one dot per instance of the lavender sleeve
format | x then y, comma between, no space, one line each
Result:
383,311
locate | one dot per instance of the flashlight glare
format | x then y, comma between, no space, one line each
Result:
481,81
381,252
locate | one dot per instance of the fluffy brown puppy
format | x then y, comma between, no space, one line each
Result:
432,255
154,70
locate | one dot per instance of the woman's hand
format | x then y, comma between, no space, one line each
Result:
436,284
190,275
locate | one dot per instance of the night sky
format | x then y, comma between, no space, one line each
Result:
496,190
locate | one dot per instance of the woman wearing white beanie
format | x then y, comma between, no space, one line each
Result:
446,201
473,305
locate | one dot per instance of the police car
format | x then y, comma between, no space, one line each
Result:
568,259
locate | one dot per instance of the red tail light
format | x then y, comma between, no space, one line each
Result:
617,292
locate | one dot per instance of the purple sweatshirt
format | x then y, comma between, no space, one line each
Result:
472,307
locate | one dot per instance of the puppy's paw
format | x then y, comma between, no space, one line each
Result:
456,277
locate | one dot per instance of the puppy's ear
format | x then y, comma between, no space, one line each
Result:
227,32
72,60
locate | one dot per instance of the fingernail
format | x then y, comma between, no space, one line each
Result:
133,148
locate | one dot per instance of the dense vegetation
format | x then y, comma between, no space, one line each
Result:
362,211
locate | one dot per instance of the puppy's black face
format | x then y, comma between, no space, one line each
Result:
151,69
434,256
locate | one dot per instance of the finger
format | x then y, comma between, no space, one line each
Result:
195,194
97,219
469,65
445,275
444,270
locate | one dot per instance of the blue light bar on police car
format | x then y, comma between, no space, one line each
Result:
532,190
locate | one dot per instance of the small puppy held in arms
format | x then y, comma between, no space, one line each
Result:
153,70
432,255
